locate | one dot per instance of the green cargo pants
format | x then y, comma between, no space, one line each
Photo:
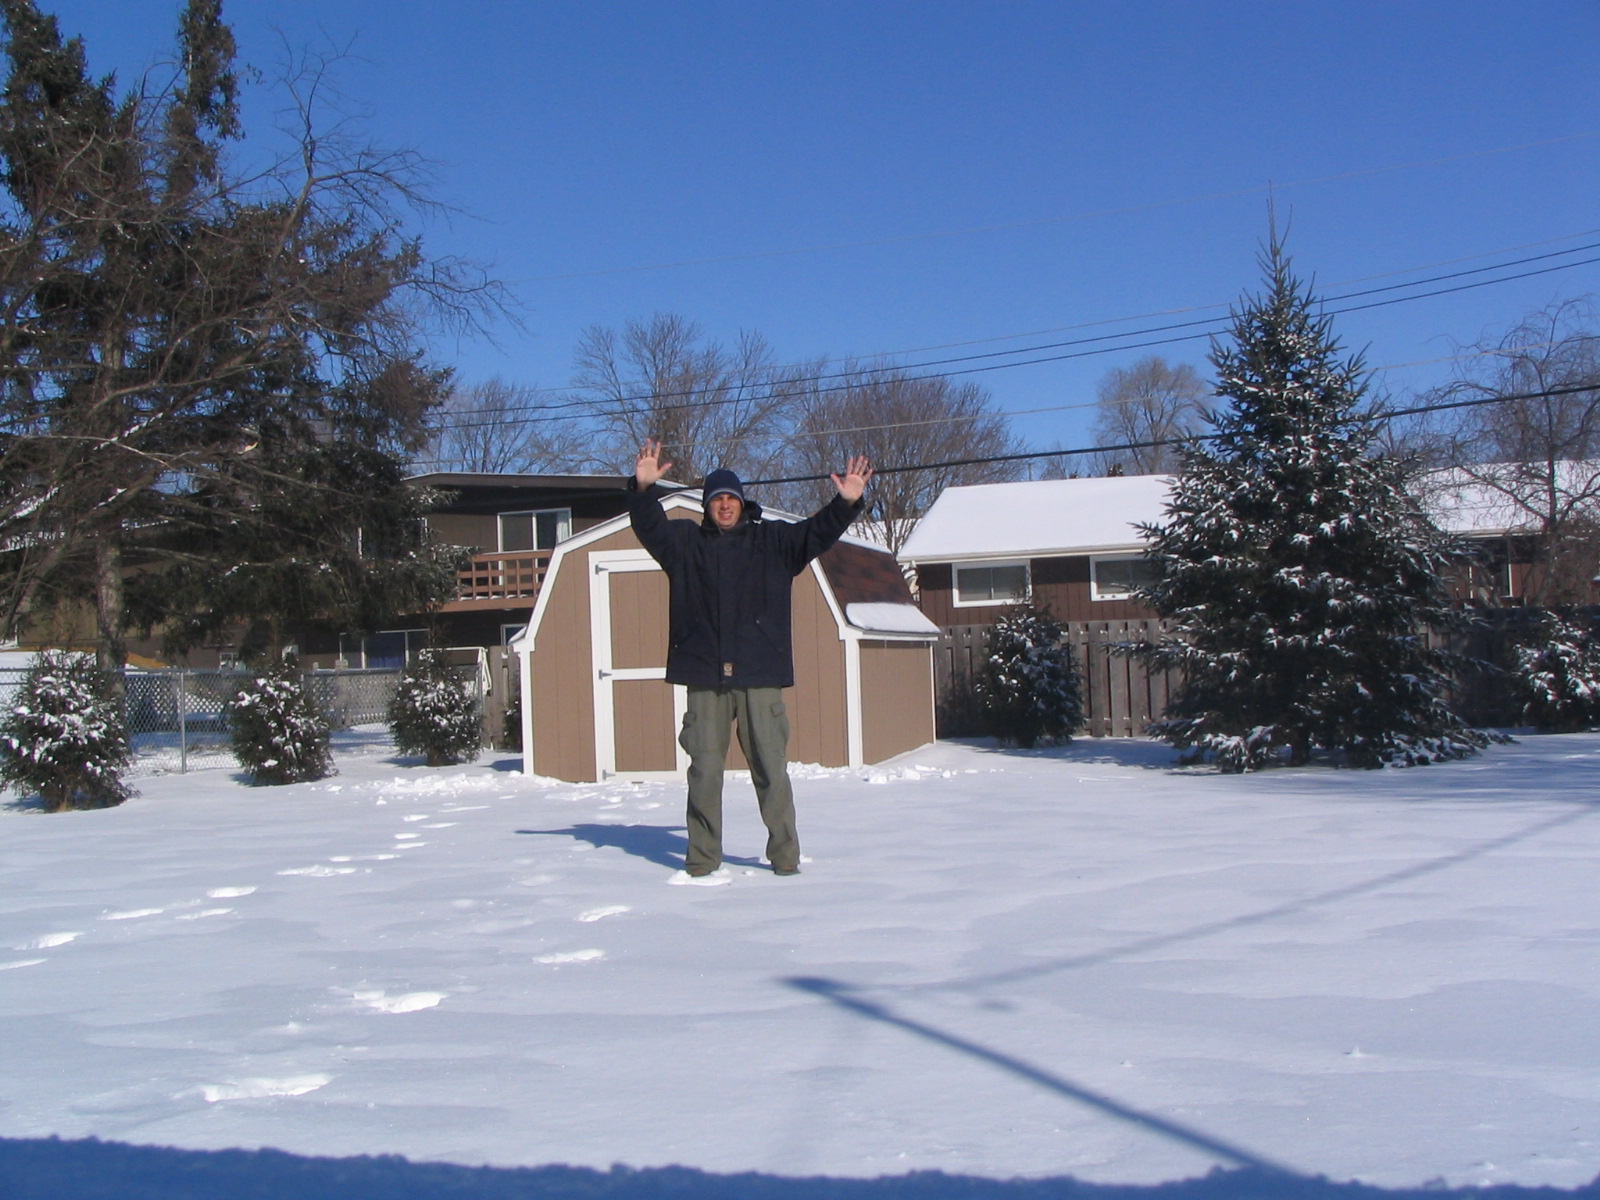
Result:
764,737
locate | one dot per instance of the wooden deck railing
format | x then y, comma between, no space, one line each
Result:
509,576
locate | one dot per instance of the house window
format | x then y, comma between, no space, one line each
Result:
539,530
992,583
1120,577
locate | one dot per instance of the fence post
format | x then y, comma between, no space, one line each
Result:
183,722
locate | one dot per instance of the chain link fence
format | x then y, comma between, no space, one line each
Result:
177,720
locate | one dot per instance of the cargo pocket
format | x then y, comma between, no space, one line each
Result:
780,720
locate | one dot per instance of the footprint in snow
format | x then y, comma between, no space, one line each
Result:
409,1002
132,914
48,941
205,912
717,878
258,1089
598,914
570,956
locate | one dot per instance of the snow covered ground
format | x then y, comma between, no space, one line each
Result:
1078,962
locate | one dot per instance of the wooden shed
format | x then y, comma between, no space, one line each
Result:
592,661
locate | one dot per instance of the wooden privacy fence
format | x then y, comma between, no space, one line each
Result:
1120,697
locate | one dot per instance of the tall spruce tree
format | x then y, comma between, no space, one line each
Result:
1298,572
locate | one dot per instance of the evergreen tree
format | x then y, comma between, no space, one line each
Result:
1298,572
1028,689
434,714
179,336
1558,670
279,733
63,736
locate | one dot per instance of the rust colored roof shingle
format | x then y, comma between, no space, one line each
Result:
860,575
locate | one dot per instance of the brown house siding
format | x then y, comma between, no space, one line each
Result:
1060,585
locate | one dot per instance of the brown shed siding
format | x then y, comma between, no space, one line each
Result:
818,720
563,689
643,710
896,708
1059,584
638,619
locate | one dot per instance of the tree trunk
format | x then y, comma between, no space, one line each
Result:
111,650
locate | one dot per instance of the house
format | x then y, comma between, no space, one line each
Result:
1073,545
1070,545
511,524
592,660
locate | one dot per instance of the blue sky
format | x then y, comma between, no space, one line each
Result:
870,177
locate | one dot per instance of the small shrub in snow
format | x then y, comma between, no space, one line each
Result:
434,714
1028,690
64,737
279,733
1558,670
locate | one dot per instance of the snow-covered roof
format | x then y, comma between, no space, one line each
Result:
878,617
1047,516
1089,516
1481,500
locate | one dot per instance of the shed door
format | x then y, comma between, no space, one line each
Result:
636,711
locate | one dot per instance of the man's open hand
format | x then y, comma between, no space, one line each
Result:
649,468
854,480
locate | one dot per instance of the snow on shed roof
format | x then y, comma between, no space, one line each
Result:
1047,516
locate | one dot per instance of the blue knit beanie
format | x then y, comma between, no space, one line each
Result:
722,482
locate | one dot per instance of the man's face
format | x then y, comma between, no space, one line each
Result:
725,510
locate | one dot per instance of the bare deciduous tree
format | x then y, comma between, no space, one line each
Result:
1539,452
709,405
496,427
898,420
1153,401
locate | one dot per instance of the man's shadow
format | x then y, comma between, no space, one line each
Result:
664,845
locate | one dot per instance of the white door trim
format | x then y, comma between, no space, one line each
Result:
602,564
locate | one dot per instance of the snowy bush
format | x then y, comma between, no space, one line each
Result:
434,714
1558,670
64,737
279,733
1028,689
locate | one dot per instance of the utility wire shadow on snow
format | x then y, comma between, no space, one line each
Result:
846,997
1160,941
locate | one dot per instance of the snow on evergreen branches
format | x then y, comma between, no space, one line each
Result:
279,733
1297,570
1558,669
1028,690
64,736
434,713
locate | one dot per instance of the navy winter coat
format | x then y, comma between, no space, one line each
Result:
729,612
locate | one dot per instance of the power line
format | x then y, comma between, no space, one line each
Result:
1094,344
1032,455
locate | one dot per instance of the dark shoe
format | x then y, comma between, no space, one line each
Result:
698,872
786,870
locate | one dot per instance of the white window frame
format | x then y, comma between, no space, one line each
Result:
990,564
1096,592
533,514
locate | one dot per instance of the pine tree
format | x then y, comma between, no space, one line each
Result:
1028,689
64,736
279,734
434,714
1298,572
